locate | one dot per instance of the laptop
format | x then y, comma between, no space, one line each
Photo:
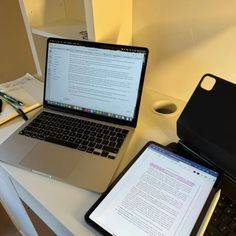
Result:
92,94
206,129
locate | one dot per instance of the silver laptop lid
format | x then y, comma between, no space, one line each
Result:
96,80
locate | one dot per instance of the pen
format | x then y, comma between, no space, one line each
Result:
22,114
209,213
19,111
15,105
5,97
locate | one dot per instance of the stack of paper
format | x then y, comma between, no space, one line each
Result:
27,89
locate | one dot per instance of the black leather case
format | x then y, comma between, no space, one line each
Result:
207,124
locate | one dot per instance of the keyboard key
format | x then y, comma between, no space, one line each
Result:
228,210
232,225
215,220
90,150
82,147
104,154
111,157
61,142
224,230
96,153
98,146
110,149
226,219
212,231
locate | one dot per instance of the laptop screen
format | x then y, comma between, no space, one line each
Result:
95,79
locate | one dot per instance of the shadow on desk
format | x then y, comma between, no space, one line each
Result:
39,225
7,228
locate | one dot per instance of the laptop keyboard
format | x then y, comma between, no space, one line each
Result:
223,220
101,140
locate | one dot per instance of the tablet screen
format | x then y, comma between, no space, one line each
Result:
161,193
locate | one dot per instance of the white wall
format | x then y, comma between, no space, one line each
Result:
186,38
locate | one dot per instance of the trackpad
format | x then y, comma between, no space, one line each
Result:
51,159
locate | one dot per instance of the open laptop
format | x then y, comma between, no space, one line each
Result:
92,95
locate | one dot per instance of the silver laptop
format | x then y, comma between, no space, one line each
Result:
91,102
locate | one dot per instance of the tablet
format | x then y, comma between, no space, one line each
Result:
159,193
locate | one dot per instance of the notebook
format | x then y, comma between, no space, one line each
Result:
26,89
91,102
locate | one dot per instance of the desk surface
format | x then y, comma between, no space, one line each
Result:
62,206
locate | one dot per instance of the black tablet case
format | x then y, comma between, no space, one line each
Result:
207,125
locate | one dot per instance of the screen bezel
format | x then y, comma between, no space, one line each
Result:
131,123
103,196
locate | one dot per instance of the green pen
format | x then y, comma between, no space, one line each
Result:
9,98
14,103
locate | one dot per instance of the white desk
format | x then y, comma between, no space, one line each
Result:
61,206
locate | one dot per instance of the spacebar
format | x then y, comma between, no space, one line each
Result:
61,142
